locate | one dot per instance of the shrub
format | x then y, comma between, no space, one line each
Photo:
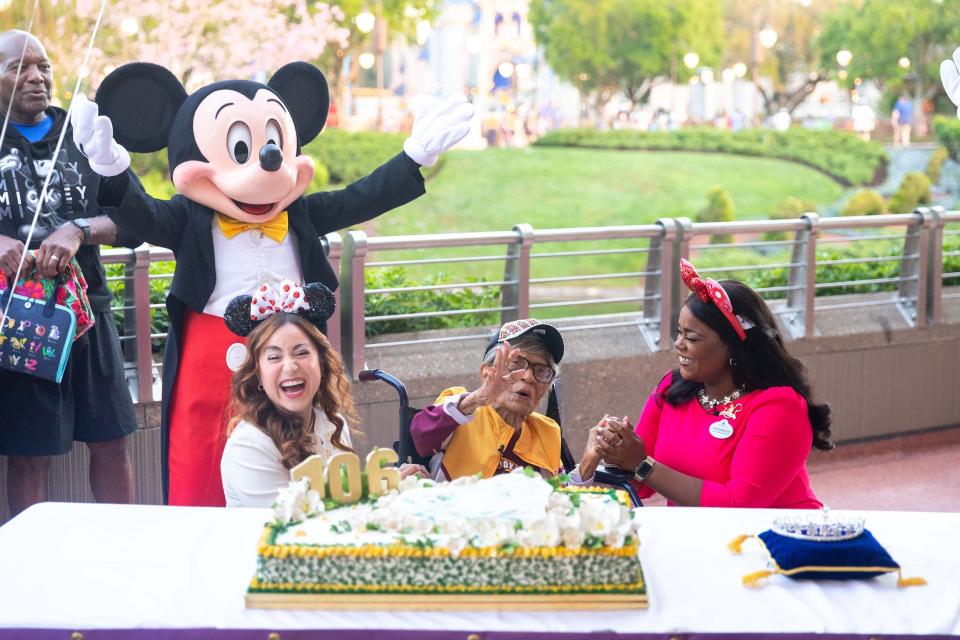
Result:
478,297
841,155
321,177
789,209
948,133
827,273
158,184
159,320
719,209
865,202
913,191
347,156
935,164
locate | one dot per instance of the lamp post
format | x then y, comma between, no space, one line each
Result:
766,38
843,59
379,46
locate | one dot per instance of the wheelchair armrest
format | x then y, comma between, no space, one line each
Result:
620,478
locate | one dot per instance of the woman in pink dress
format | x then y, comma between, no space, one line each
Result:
733,425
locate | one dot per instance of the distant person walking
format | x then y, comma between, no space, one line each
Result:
901,119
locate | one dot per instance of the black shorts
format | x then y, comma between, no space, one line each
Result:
92,403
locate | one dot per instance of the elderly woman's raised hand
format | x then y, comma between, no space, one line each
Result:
497,379
618,443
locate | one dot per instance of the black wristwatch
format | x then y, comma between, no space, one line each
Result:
84,226
644,469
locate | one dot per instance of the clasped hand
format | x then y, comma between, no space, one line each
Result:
614,441
52,257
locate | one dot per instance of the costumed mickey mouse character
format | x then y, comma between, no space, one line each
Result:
234,150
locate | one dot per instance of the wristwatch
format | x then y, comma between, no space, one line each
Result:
84,226
644,469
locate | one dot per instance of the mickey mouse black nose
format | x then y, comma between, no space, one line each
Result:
271,157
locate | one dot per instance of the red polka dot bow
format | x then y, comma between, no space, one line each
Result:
710,290
270,299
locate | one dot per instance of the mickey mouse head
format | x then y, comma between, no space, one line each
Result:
235,145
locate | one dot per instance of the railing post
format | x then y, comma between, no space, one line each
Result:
912,287
658,291
129,347
144,345
353,313
515,298
934,282
684,233
682,250
333,247
802,279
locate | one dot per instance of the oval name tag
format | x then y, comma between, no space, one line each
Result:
721,429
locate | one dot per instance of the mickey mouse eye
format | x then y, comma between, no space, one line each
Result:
274,135
239,142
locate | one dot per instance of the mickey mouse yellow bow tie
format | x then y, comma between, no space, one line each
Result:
275,229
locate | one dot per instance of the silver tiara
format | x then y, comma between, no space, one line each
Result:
828,527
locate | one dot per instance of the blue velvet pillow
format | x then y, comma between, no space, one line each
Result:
860,557
854,558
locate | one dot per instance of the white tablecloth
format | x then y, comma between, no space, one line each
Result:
122,567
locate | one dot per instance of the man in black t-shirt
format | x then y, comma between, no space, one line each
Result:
92,404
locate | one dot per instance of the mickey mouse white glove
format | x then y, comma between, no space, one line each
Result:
950,77
93,135
437,127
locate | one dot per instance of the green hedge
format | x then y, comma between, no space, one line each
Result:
420,301
935,164
865,202
719,209
947,129
843,156
857,271
914,190
350,156
790,209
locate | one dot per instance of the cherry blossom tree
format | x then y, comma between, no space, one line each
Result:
198,41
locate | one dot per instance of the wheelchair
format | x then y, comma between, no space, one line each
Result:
407,452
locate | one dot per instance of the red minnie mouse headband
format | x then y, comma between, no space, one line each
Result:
710,290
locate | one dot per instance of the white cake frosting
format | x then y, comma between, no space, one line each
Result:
510,509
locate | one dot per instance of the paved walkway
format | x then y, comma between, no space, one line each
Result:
907,473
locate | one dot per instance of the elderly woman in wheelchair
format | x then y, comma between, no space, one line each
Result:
495,428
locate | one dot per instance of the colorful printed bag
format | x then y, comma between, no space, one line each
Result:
71,292
36,336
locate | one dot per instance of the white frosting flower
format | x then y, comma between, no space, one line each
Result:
296,502
410,482
456,544
572,538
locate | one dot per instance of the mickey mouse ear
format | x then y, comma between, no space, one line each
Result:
237,316
141,99
321,301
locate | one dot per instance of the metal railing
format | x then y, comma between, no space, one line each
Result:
524,278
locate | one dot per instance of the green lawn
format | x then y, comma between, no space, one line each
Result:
563,187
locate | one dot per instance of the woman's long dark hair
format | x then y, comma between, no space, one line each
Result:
293,438
762,361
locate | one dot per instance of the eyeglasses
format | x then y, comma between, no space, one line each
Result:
541,372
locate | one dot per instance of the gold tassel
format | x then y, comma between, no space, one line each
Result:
754,579
909,582
736,545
